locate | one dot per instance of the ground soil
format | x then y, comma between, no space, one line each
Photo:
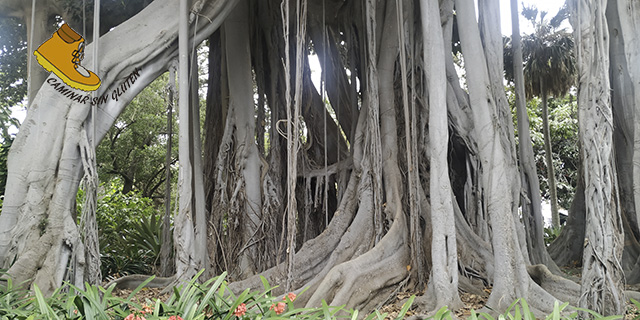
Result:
394,304
143,296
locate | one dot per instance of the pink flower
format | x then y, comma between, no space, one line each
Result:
146,309
279,308
240,310
290,295
175,318
134,317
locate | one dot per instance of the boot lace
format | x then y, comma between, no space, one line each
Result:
78,55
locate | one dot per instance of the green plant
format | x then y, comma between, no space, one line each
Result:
13,300
521,311
213,300
636,312
129,231
43,225
4,155
551,234
563,125
147,234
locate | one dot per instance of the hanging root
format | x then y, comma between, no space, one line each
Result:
339,266
316,253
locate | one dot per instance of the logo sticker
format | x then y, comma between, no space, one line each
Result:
62,55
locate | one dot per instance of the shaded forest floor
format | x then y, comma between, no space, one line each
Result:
393,306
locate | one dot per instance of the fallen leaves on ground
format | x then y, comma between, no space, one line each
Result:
144,295
471,301
392,310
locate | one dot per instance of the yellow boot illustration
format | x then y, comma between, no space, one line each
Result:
62,55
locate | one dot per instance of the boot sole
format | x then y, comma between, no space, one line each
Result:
51,68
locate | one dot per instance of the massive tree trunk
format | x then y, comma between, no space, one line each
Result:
627,96
444,258
566,250
511,280
352,227
244,189
623,109
602,275
39,238
627,12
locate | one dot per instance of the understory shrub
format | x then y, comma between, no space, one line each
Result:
551,234
193,301
213,300
129,231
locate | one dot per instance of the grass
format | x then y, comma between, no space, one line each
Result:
193,301
213,300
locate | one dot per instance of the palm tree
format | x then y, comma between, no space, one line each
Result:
549,70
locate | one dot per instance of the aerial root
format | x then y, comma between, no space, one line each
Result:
561,288
356,282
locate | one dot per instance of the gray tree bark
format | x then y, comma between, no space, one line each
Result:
627,12
443,283
602,275
166,265
623,109
38,234
551,177
363,253
242,107
189,252
530,198
567,249
511,279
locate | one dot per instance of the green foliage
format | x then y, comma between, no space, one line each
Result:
13,300
4,154
147,234
519,310
548,55
563,126
551,234
134,149
69,302
13,86
635,311
129,231
213,300
4,172
13,71
194,301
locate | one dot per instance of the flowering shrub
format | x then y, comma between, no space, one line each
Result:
146,309
291,296
213,300
278,308
209,300
240,310
134,317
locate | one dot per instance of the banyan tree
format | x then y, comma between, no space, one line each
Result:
392,173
